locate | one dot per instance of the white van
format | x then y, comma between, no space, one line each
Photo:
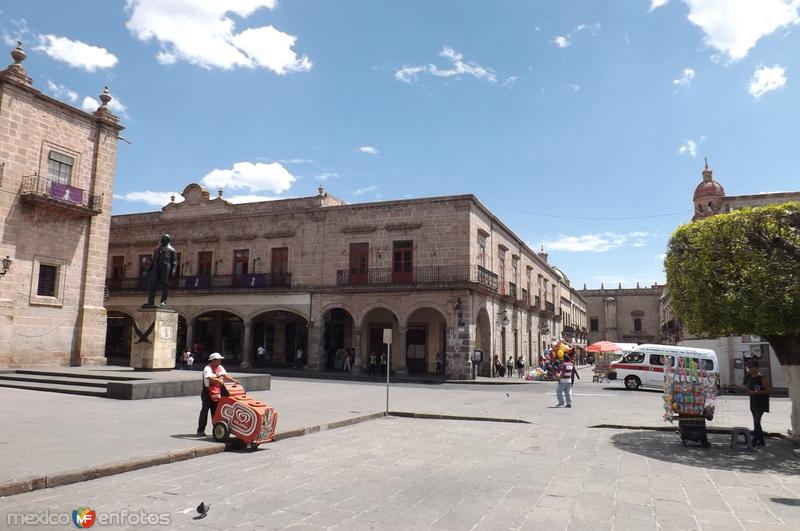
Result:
644,366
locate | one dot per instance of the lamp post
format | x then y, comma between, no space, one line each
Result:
6,264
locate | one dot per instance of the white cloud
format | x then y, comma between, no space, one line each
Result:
362,191
733,27
561,41
258,177
573,87
655,4
76,53
149,197
369,150
598,243
458,67
510,80
686,78
90,104
766,79
295,161
689,147
203,33
57,90
593,28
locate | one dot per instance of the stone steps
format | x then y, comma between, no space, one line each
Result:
9,381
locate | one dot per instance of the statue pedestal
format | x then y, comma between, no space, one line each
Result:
154,339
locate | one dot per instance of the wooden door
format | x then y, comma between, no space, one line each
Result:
359,263
241,261
402,264
280,266
204,263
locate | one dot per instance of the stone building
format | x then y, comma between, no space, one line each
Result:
57,167
623,315
444,274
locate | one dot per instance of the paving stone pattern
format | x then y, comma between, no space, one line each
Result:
405,474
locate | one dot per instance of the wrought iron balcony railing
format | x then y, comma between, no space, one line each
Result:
525,297
429,275
511,291
249,282
37,189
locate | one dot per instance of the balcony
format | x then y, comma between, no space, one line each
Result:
537,302
510,292
429,275
43,192
525,297
216,283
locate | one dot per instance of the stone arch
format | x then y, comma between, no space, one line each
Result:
220,334
253,315
483,339
425,341
211,309
365,310
403,319
281,332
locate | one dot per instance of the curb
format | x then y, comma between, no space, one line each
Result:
407,414
717,431
21,486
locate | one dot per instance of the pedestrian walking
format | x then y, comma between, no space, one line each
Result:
189,362
510,366
499,369
214,375
298,359
564,378
185,359
439,364
520,366
261,354
373,363
383,363
757,386
347,365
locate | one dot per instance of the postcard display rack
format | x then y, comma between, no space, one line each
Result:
690,394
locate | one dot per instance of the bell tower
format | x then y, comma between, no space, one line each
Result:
708,196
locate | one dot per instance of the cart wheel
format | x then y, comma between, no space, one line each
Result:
220,431
706,444
254,446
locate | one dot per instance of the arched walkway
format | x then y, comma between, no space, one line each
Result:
119,327
281,333
426,341
373,324
337,338
219,331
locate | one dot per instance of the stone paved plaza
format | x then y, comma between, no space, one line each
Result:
398,473
555,471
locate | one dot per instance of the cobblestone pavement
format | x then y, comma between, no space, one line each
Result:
398,473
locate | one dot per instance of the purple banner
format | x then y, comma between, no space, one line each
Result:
254,280
196,282
65,192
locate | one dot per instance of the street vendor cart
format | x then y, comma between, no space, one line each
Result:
690,393
249,420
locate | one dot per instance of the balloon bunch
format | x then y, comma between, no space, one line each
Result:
561,347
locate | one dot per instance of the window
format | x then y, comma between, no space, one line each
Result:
501,267
117,267
514,269
403,261
204,260
359,263
241,261
279,266
637,325
59,167
47,282
144,261
657,359
634,357
48,279
481,250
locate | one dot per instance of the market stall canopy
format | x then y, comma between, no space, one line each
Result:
603,346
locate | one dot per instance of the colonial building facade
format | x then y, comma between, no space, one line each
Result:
57,167
624,315
318,275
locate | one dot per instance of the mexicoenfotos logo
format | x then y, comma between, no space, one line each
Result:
84,517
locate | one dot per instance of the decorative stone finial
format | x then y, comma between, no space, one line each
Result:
15,70
105,97
172,198
321,190
219,193
707,173
18,54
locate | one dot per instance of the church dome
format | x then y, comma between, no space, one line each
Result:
709,187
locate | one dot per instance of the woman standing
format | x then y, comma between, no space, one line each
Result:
757,386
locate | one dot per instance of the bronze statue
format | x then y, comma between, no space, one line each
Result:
162,267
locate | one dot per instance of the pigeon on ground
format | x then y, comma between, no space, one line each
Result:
508,395
202,509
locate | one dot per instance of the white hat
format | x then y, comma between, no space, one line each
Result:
216,356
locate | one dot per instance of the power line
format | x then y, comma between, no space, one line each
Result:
556,216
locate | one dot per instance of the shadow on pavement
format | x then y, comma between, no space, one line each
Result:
778,457
641,390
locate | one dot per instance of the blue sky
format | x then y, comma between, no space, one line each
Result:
561,116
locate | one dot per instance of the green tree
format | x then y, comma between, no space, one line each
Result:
739,273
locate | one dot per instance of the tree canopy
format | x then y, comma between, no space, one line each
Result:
739,273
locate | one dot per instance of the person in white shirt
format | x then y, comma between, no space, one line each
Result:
214,374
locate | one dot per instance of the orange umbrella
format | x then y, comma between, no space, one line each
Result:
603,346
